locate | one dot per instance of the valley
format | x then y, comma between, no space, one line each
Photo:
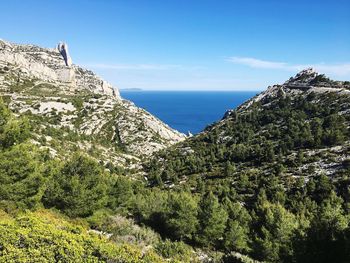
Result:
87,176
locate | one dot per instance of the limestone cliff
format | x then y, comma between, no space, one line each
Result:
52,66
65,102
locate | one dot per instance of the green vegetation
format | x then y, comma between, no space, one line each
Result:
21,176
44,236
82,189
255,176
79,188
249,187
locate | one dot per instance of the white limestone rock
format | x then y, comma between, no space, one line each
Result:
53,66
304,77
305,82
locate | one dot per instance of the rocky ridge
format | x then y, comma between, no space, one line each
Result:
306,116
305,82
316,88
49,65
65,102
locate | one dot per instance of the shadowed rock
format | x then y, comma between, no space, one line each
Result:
63,49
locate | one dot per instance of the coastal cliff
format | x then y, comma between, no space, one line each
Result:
56,94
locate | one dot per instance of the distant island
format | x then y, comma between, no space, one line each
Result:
131,89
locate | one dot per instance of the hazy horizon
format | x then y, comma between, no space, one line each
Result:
192,90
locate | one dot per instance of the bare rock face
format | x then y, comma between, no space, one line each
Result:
53,66
63,49
304,82
304,77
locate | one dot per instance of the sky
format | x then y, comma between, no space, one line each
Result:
189,44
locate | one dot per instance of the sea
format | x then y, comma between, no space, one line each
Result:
188,111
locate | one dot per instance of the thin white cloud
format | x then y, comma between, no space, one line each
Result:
257,63
336,69
342,69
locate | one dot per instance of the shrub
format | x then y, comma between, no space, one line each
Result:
78,188
21,178
47,237
175,250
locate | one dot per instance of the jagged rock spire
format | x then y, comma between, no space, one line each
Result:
63,49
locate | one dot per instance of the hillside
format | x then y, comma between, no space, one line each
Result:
273,173
297,129
269,182
49,237
71,108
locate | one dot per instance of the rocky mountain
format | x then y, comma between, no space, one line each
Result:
272,176
70,107
29,62
305,82
299,128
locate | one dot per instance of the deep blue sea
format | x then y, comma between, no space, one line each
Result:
188,111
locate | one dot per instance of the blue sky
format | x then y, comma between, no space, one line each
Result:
187,45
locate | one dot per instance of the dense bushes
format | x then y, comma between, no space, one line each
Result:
21,170
21,176
12,130
46,237
176,250
79,188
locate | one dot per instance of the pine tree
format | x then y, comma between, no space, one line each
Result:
275,228
21,176
181,218
236,237
212,220
229,169
79,188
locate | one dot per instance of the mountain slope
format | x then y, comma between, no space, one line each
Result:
70,107
299,127
272,175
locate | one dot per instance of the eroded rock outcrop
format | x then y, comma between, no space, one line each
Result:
63,49
53,66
